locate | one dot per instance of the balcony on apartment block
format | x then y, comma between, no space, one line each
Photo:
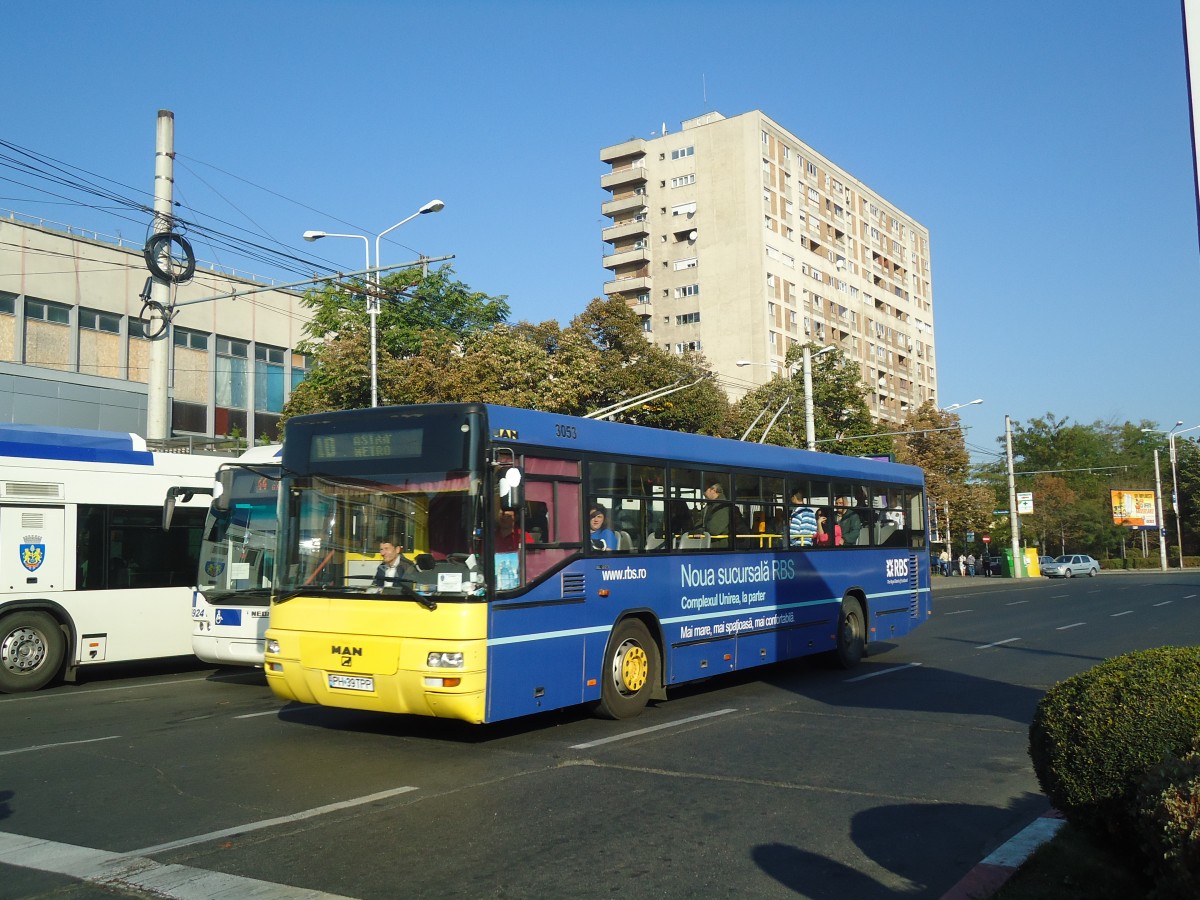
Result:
627,257
631,148
616,206
629,175
614,233
628,286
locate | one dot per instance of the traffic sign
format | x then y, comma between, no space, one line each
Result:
987,538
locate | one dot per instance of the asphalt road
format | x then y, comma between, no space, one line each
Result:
795,781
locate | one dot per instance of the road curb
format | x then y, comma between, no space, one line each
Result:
998,866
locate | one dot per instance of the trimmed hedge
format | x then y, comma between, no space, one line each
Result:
1095,735
1168,822
1149,562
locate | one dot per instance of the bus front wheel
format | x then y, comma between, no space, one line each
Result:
31,651
851,634
630,667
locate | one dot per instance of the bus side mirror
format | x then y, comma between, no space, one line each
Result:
512,489
178,493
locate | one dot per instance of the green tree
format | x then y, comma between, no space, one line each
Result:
413,303
1053,523
1091,460
600,359
535,367
840,408
1187,469
633,366
934,441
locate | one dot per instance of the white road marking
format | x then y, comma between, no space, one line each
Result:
890,671
1166,602
1189,597
125,870
1016,603
268,823
1127,612
997,644
958,612
46,696
111,737
641,731
269,712
1065,627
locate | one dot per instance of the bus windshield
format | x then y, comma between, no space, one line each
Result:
238,552
411,483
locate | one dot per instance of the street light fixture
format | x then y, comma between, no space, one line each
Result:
953,406
372,297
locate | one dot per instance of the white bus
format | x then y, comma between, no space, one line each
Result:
88,575
237,558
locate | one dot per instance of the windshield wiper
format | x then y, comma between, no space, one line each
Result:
221,596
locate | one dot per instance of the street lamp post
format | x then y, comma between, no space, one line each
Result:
810,430
372,297
1162,544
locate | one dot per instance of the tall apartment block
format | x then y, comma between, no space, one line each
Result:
734,238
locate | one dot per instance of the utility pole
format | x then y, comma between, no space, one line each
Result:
157,406
1017,558
1161,518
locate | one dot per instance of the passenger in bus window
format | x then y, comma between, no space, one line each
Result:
681,518
718,515
802,527
850,519
394,566
829,533
603,537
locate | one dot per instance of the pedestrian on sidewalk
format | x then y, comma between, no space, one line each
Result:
971,564
962,564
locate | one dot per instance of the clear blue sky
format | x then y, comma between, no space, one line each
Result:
1045,146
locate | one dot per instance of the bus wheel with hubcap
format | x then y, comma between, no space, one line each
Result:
630,667
851,634
31,651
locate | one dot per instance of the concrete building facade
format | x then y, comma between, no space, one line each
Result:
74,350
734,238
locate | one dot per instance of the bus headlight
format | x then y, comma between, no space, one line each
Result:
440,660
272,646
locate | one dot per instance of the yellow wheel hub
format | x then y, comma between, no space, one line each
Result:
635,669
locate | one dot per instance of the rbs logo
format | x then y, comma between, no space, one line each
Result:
897,568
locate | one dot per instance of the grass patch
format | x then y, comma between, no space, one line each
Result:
1071,866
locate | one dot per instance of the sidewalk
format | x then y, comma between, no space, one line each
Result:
997,867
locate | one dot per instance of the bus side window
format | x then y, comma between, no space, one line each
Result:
553,494
685,526
916,519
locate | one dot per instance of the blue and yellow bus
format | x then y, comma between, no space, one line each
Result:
551,561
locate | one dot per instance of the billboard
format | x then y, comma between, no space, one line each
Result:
1134,508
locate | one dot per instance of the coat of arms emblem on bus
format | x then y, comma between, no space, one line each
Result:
214,567
33,552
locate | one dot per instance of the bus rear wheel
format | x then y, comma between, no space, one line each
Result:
31,651
851,634
630,666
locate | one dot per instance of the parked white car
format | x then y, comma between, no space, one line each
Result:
1070,566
